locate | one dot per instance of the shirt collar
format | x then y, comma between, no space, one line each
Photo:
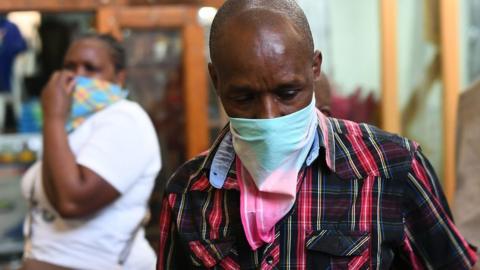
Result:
220,160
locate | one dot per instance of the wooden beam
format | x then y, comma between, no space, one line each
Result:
56,5
390,112
172,16
195,89
113,19
89,5
107,22
211,3
449,25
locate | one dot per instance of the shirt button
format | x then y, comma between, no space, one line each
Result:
269,260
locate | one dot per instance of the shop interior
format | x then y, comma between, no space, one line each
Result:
402,67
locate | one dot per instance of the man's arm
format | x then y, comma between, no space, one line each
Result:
165,242
170,255
431,239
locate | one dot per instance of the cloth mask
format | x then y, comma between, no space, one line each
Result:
270,154
90,96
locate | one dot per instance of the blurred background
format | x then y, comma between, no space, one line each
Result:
401,65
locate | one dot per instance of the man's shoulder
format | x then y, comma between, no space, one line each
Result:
186,175
367,132
371,150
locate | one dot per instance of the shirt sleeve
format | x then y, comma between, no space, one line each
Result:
431,239
117,150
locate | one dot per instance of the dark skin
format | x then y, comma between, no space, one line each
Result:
74,191
264,71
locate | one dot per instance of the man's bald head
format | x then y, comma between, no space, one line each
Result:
288,9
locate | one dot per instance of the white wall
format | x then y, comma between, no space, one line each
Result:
318,15
464,20
352,50
356,44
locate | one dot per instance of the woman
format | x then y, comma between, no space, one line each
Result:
89,194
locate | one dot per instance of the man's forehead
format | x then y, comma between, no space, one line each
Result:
250,15
258,18
259,29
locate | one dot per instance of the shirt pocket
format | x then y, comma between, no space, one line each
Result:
217,254
336,249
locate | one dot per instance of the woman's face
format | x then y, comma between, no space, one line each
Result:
90,57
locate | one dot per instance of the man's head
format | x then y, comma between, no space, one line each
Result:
263,61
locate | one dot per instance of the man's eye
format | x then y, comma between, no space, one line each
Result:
243,98
287,94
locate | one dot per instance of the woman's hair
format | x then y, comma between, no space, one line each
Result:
117,52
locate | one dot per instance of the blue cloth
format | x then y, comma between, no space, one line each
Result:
274,146
225,156
11,44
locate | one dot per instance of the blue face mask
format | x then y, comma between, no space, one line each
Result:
273,146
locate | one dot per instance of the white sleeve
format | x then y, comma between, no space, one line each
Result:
116,150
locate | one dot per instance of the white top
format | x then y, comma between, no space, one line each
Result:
119,143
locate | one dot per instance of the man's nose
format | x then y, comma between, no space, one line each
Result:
268,108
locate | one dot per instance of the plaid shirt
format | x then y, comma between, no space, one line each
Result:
366,199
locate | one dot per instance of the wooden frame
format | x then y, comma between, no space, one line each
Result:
56,5
212,3
113,19
76,5
390,112
450,36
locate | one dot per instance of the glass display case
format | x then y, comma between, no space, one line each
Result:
17,153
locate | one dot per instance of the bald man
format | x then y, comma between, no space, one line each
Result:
283,186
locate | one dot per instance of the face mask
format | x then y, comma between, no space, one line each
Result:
271,154
266,146
90,96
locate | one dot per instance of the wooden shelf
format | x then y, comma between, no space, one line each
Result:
56,5
92,5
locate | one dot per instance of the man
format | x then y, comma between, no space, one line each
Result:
283,186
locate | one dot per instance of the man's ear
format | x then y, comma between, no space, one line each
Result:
317,64
213,76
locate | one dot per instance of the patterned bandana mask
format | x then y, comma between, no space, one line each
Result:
90,96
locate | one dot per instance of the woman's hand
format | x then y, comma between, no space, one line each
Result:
57,96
